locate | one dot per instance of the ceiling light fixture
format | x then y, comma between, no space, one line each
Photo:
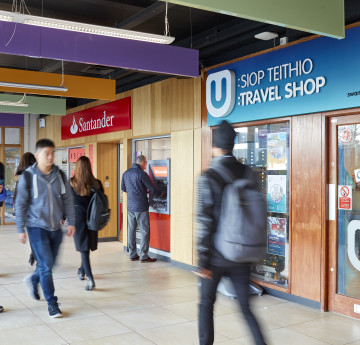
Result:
21,103
33,86
266,35
85,28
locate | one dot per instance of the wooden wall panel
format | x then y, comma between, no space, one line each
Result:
107,173
182,178
197,172
127,162
161,121
197,102
141,111
306,187
181,102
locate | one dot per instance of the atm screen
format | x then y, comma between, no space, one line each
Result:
160,172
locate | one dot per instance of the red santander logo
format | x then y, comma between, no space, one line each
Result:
106,118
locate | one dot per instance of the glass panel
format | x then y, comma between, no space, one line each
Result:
266,149
348,277
12,159
154,149
12,136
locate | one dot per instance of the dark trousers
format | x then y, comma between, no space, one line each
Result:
85,264
45,245
240,277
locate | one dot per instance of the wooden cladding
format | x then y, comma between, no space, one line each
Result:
306,206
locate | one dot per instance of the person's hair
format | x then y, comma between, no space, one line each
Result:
140,159
83,179
26,160
43,143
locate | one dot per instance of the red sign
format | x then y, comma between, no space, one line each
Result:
105,118
75,154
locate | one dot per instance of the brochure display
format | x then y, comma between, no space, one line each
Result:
265,148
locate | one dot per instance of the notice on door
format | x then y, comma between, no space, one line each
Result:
345,197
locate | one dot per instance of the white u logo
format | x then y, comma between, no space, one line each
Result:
353,226
228,105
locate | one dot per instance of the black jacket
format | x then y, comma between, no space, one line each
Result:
135,183
210,190
84,238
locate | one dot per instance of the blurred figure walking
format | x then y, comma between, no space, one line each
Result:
212,264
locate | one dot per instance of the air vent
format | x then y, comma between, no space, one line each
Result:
94,69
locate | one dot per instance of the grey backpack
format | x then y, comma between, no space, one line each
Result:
241,234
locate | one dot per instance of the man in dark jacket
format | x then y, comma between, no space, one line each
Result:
212,265
136,182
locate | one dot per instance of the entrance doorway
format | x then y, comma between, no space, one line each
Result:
344,216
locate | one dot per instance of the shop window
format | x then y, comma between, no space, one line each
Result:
266,150
153,149
12,136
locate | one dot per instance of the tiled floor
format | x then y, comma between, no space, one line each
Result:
142,304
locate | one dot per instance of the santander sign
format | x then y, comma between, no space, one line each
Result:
106,118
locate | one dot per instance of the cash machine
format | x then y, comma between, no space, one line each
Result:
159,206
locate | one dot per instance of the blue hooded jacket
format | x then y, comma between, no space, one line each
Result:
45,202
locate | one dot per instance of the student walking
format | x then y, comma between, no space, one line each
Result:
85,240
212,264
2,184
44,199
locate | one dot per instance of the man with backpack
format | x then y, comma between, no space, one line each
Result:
44,200
218,256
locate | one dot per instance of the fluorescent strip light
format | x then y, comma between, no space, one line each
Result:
85,28
33,86
14,104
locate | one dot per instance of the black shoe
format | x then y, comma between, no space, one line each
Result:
81,274
136,258
148,260
32,288
1,309
89,285
54,310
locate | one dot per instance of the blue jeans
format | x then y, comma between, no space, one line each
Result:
45,245
240,277
142,219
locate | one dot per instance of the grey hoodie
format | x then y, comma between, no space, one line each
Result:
44,203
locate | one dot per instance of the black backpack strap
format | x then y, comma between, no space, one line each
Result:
28,179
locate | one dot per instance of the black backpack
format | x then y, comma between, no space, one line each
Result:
98,212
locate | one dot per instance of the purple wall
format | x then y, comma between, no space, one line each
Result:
94,49
11,120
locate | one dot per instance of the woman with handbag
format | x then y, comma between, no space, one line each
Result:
85,240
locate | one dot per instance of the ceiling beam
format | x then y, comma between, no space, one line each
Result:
143,16
323,17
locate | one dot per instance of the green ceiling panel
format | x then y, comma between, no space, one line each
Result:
323,17
37,105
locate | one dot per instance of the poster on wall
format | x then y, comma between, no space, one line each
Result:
61,160
74,155
276,236
276,151
276,188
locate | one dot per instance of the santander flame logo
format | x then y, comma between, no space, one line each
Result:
74,127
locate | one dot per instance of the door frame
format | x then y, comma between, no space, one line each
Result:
335,302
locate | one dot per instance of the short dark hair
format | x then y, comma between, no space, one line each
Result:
42,143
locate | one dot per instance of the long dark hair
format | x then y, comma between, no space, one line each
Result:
83,179
26,160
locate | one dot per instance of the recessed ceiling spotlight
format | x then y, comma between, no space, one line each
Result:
266,35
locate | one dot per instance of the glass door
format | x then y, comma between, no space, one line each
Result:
344,223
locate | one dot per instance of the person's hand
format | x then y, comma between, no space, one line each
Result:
22,237
71,231
204,273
